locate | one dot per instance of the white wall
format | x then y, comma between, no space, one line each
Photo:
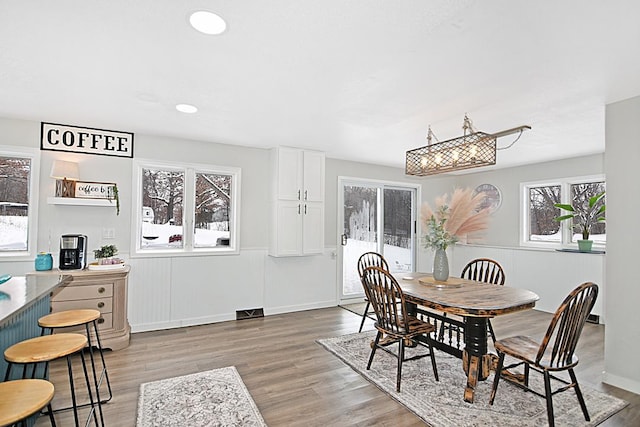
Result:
173,292
623,286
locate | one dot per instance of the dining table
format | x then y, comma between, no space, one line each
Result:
475,302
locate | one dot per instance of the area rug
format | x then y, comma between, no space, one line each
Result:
441,404
211,398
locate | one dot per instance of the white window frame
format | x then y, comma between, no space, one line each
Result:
188,208
34,196
565,197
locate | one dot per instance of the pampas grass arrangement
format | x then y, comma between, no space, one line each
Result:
453,220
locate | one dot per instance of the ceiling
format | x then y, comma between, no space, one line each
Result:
359,79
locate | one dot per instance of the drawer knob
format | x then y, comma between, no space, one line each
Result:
101,290
100,304
101,320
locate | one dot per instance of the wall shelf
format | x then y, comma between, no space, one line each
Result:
75,201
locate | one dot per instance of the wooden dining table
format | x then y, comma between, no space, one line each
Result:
475,302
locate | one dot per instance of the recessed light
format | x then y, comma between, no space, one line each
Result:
207,22
187,108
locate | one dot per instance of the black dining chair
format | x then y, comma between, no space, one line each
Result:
394,321
369,259
555,353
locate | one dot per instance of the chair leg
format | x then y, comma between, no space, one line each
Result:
496,377
400,360
433,362
583,405
549,397
493,335
364,316
373,349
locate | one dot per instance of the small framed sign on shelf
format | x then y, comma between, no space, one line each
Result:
95,190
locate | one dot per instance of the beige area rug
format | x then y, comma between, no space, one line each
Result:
211,398
441,404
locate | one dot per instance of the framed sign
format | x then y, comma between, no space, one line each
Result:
74,139
95,190
493,198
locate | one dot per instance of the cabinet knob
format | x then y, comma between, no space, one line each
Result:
100,304
101,320
101,290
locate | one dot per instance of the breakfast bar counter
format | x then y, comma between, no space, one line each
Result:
23,300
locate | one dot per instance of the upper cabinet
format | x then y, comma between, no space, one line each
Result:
298,174
297,202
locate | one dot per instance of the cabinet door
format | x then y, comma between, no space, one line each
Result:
313,176
289,174
288,228
313,224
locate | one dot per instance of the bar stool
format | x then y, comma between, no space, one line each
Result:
82,317
20,399
45,349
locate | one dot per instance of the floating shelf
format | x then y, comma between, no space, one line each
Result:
74,201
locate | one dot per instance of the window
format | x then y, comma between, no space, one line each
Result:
539,227
18,202
187,209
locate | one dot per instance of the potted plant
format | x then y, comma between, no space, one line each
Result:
584,217
105,255
452,220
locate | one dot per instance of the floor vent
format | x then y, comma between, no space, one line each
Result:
593,318
249,314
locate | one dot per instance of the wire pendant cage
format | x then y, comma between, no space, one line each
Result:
464,152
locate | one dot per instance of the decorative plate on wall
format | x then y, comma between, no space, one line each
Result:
493,199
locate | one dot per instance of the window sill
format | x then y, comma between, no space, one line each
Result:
594,251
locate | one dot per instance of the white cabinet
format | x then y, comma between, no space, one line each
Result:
297,203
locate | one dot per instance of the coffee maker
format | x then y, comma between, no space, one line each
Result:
73,252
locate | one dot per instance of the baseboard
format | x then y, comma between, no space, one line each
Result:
298,307
621,382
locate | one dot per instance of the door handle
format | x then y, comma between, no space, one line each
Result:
344,240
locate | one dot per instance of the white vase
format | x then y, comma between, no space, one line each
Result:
440,265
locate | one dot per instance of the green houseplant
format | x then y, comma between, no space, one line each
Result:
105,254
584,217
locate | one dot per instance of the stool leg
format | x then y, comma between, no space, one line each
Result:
51,418
73,391
95,377
88,383
104,372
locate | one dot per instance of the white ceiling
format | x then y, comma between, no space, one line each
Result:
358,79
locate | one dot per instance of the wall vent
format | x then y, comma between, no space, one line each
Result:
593,318
249,314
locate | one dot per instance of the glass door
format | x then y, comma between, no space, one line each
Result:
375,217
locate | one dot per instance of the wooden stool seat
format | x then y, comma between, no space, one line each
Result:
45,348
19,399
68,318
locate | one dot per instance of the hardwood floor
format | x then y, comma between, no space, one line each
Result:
293,380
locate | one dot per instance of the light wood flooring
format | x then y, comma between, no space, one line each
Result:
293,380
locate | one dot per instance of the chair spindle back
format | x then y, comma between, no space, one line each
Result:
387,300
561,339
484,270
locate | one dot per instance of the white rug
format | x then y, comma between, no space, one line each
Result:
205,399
441,404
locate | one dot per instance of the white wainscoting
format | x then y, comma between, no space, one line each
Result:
183,291
548,273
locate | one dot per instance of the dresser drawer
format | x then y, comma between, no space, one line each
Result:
104,322
71,293
105,305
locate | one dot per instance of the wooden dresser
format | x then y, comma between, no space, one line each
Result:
101,290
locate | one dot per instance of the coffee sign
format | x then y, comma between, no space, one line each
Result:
95,190
74,139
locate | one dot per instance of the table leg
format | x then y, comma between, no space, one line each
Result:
475,360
